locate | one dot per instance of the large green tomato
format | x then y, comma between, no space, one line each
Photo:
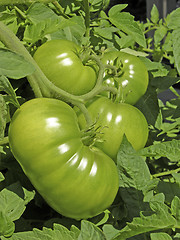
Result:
60,62
117,119
133,77
76,180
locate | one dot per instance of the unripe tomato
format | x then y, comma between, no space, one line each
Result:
133,75
60,61
117,119
76,180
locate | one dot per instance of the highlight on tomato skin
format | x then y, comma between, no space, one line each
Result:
76,180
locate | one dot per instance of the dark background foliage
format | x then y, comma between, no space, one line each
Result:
140,9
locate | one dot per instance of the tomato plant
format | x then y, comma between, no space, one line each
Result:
132,76
67,163
117,119
76,180
61,63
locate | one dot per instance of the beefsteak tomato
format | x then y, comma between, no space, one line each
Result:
78,181
61,63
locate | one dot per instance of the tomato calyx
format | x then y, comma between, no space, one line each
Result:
92,134
114,68
84,53
120,95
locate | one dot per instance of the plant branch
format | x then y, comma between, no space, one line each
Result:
21,13
87,17
60,9
84,110
166,173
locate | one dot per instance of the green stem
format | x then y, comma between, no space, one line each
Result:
98,85
152,51
14,2
108,89
4,141
84,110
20,12
148,50
87,17
150,29
60,9
166,173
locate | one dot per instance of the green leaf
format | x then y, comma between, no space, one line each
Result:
117,9
148,104
157,68
154,14
10,18
160,33
97,5
59,232
175,209
35,32
159,220
7,227
177,236
3,116
169,149
105,32
75,230
174,19
176,47
125,22
12,201
169,189
71,29
13,65
164,83
89,231
170,128
134,52
25,235
109,231
1,177
160,236
42,21
177,177
39,12
6,86
132,169
177,112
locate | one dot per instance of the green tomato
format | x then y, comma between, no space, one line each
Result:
133,77
76,180
117,119
60,62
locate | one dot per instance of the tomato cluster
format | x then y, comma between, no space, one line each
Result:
46,135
